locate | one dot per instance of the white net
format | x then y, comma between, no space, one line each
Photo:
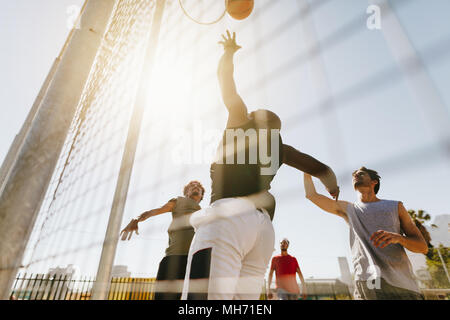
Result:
74,214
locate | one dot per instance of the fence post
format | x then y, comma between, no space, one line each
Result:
27,179
103,279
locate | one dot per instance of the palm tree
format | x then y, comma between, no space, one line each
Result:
435,260
419,219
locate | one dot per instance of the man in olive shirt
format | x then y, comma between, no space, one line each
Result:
173,266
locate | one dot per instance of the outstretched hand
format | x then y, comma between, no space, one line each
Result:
127,232
229,42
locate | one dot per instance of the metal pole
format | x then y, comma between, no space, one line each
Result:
27,179
16,146
443,264
103,279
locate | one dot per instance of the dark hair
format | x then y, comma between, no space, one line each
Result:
186,187
373,176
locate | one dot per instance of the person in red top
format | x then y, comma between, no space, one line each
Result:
285,267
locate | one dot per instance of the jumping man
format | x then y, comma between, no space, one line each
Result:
234,237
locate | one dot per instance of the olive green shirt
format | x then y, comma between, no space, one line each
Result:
180,230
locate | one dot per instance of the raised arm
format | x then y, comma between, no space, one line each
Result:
237,110
329,205
303,162
127,232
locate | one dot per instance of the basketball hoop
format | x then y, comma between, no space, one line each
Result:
200,22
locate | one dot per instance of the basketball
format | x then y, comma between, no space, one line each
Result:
239,9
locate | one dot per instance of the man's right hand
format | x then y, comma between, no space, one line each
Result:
334,193
127,232
229,42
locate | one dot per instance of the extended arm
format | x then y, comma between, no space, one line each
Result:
412,240
303,162
127,232
168,207
269,291
302,281
335,207
237,110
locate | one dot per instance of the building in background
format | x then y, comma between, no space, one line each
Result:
441,234
328,289
120,271
68,272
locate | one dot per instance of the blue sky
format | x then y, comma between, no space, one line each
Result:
380,125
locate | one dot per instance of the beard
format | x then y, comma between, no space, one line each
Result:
360,184
195,193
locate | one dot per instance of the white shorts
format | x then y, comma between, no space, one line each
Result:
230,251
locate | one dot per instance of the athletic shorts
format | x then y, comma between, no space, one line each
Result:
230,251
286,295
170,277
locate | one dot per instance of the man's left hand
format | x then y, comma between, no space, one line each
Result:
382,239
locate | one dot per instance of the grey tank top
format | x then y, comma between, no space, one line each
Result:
180,230
390,263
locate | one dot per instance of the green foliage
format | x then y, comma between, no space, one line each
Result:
422,216
435,267
419,219
434,262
